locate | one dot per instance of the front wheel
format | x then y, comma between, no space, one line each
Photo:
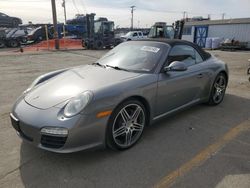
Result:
218,90
126,125
98,45
15,23
2,43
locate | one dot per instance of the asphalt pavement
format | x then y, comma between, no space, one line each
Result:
178,151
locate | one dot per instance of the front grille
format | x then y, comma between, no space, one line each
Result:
53,141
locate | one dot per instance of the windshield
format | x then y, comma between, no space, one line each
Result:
33,31
142,56
129,34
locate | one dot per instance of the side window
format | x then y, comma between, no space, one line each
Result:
184,53
135,35
198,57
140,34
169,32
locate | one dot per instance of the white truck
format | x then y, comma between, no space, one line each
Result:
133,35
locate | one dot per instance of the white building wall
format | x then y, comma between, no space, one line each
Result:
189,38
240,32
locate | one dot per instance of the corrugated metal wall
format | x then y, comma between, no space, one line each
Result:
240,32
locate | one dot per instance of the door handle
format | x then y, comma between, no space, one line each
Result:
200,75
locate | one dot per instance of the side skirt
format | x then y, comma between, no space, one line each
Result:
178,109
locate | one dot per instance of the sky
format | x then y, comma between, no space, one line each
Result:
146,11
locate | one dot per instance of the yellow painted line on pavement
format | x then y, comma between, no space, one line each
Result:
205,154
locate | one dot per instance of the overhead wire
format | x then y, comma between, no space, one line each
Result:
74,3
84,6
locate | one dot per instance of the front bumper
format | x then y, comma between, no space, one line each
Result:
84,131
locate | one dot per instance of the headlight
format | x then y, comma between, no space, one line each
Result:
77,104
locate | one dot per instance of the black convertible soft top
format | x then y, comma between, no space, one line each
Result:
173,42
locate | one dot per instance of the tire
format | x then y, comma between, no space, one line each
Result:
83,44
2,44
108,47
98,45
123,130
15,23
13,43
24,40
86,45
218,90
117,42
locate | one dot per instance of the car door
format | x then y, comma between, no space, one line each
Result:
135,36
177,89
140,35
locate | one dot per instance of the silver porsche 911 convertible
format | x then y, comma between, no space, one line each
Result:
110,102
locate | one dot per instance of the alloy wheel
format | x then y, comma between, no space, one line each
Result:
128,125
219,89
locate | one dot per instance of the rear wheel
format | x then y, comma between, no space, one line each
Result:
14,43
218,89
126,125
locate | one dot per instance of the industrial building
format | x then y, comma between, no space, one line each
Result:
199,31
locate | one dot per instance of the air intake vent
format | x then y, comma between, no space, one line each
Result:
53,141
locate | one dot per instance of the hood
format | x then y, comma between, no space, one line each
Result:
73,82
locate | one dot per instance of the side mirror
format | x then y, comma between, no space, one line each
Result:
176,66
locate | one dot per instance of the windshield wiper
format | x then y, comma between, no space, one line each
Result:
116,67
98,64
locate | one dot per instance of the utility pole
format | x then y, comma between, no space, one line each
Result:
223,16
184,15
53,4
132,18
209,16
64,8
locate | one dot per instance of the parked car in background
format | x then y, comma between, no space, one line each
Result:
17,36
38,34
133,35
8,21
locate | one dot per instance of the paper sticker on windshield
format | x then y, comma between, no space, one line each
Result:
150,49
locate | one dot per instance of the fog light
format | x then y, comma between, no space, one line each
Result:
55,131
